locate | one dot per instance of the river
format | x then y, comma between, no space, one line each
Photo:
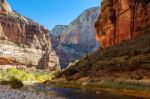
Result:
68,93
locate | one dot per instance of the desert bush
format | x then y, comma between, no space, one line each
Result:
41,76
68,78
134,61
146,66
24,76
15,83
20,74
4,82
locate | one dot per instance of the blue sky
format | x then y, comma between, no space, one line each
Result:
52,12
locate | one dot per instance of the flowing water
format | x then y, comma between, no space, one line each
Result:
68,93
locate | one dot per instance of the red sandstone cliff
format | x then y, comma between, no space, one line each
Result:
24,42
121,20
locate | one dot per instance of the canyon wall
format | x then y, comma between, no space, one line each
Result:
24,42
76,39
121,20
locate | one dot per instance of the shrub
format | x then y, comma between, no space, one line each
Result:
4,82
20,74
135,60
26,77
15,83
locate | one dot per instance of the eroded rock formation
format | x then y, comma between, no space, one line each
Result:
77,39
4,7
121,20
24,42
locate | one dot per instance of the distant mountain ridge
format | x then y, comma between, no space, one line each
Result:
77,39
57,30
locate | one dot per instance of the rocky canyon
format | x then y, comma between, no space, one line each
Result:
77,39
123,31
24,42
105,49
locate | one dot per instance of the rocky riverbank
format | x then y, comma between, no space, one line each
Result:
7,93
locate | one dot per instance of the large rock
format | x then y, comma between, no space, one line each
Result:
77,39
24,42
121,20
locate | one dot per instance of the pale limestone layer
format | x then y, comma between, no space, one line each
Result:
26,55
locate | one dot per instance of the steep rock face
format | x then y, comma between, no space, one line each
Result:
121,20
4,7
24,42
77,39
57,30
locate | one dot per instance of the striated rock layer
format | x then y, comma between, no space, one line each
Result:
77,39
24,42
121,20
4,7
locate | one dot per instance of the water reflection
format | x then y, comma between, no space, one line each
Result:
68,93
